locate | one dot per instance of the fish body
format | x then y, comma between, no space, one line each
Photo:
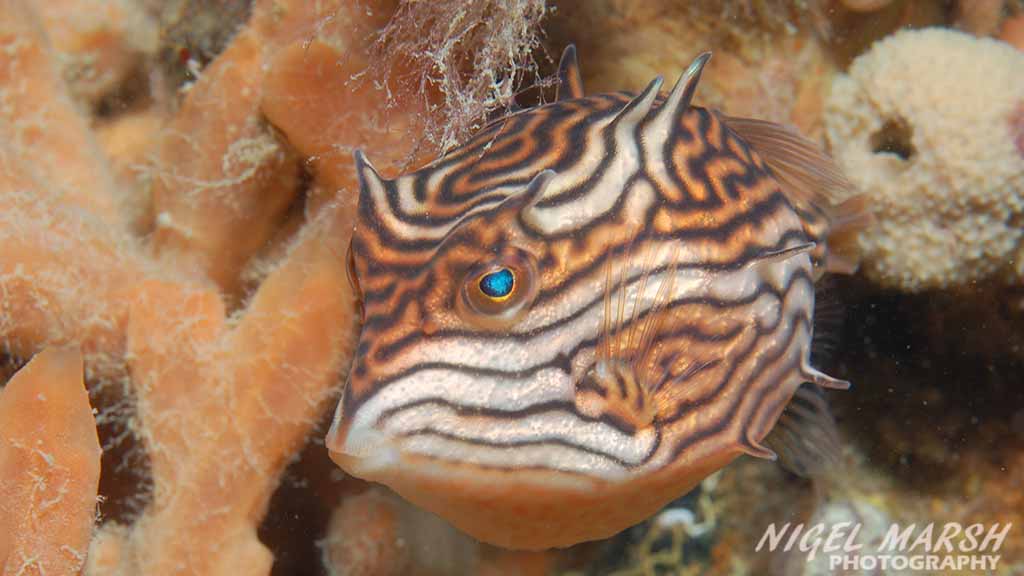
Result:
580,313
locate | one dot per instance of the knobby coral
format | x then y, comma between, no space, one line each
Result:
376,533
99,43
924,124
196,254
50,466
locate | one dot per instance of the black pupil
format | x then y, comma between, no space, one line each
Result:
498,284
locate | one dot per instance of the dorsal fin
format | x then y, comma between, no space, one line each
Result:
801,167
570,85
813,183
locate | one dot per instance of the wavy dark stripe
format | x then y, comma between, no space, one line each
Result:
750,254
563,361
542,442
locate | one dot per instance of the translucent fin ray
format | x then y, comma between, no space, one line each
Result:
806,437
804,170
813,182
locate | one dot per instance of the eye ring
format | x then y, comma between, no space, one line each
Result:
498,292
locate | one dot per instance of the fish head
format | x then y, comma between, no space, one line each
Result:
502,346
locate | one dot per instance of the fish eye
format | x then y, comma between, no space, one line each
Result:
498,285
498,292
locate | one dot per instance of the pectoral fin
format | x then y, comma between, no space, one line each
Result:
805,437
832,212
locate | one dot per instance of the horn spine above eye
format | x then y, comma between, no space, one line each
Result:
366,172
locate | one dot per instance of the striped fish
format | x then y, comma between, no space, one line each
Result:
584,310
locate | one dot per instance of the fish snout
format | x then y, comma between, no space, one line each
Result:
359,449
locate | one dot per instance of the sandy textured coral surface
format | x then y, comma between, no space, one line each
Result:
193,244
50,466
98,43
197,378
33,101
221,179
258,381
924,125
376,533
66,256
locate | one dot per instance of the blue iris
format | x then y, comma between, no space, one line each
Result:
498,284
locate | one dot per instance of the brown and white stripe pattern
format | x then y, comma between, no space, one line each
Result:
669,314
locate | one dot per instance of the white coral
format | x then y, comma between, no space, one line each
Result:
950,201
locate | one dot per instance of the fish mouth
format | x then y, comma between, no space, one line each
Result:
360,452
